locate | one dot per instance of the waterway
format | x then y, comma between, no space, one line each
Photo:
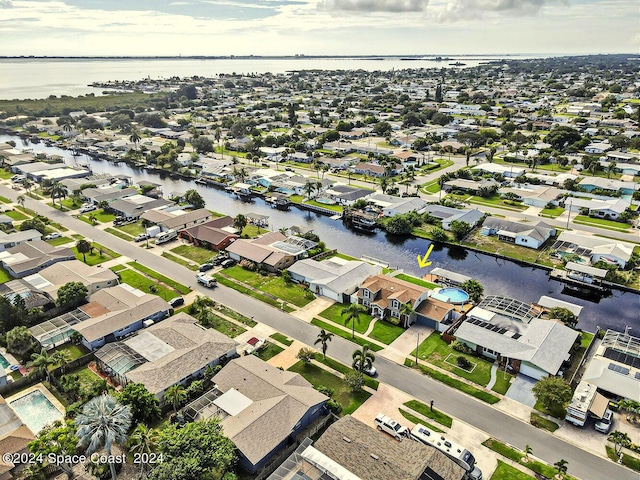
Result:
41,77
499,276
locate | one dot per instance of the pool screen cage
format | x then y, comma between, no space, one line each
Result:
58,330
510,307
203,407
117,359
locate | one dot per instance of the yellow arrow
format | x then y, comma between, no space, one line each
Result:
422,262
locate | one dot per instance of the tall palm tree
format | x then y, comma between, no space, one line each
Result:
40,363
135,138
384,184
103,423
323,338
619,439
309,188
142,441
363,359
353,312
176,395
20,200
61,357
610,168
83,247
58,190
407,310
240,221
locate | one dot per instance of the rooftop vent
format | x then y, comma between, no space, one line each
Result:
374,456
346,439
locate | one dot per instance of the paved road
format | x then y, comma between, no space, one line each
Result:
496,423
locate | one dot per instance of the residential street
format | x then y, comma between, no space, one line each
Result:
496,423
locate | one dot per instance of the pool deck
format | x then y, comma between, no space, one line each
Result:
45,391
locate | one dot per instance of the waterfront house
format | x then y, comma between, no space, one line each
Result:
124,311
135,205
273,251
386,296
107,194
593,248
176,218
30,257
512,332
392,205
447,215
175,351
261,409
336,279
345,194
523,234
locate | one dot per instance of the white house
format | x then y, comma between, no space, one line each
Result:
523,234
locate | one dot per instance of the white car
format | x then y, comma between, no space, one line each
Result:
372,372
604,425
87,208
53,235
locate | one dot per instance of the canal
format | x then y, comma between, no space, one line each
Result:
499,276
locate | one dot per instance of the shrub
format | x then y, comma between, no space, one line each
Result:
306,355
325,390
463,363
334,406
355,381
458,346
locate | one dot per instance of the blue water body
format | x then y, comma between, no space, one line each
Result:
455,295
35,410
4,363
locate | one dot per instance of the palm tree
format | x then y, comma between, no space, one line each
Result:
619,439
309,188
323,338
561,467
610,168
93,218
83,247
527,451
353,312
58,190
135,138
103,423
407,310
20,200
363,359
384,184
199,304
142,442
40,363
176,395
61,357
240,221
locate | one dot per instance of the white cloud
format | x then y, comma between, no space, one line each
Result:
368,6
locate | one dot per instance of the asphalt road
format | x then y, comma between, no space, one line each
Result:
581,463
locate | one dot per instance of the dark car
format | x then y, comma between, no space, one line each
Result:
219,259
176,302
229,262
205,267
289,169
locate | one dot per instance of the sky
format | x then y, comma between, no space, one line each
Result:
317,27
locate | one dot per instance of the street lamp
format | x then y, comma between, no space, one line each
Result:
417,346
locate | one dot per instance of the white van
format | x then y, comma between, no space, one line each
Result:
18,179
389,425
166,236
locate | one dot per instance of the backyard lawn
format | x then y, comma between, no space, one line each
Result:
493,245
273,285
416,281
74,351
196,254
385,332
437,352
334,313
317,376
4,275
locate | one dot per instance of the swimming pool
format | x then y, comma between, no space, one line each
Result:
4,362
453,295
36,410
326,201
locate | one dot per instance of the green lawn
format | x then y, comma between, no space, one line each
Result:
183,289
92,258
139,281
431,187
283,339
602,223
335,208
385,332
317,376
224,326
627,460
236,316
272,285
16,215
132,229
69,203
196,254
496,201
551,212
119,234
185,263
5,175
4,275
344,369
412,418
334,314
59,241
74,351
425,410
416,281
104,217
247,291
494,245
252,231
507,472
539,421
341,333
435,350
270,350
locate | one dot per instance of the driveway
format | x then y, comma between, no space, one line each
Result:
520,390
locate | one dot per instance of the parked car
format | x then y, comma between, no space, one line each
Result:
389,425
205,267
372,372
53,235
140,237
229,262
119,221
219,259
289,169
206,280
87,208
604,425
176,302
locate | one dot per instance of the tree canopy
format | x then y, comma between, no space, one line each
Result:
474,288
143,404
553,392
71,294
193,451
194,198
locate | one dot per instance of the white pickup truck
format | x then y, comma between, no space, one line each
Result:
206,280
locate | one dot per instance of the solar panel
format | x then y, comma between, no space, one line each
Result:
619,369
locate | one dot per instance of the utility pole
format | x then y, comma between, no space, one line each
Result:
569,213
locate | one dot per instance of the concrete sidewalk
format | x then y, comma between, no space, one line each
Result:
406,343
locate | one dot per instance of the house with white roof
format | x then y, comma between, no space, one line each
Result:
593,248
335,278
9,240
513,333
523,234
